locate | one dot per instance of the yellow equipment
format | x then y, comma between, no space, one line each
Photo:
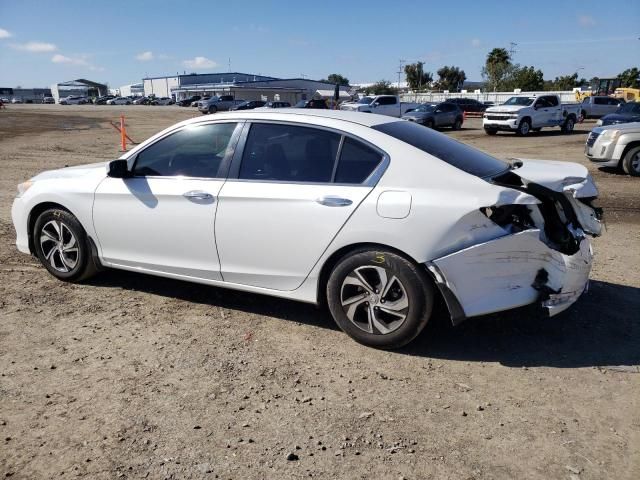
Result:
627,94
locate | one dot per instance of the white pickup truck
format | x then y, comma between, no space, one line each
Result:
522,114
381,104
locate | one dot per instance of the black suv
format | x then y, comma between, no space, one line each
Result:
188,101
468,104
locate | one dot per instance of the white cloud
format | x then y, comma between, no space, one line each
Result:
35,47
198,63
78,61
5,33
145,56
586,20
475,42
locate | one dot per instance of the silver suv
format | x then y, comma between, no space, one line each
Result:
615,146
218,104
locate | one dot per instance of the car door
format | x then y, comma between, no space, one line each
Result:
388,106
161,219
542,113
286,199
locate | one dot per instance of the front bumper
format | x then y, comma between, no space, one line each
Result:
507,124
510,272
602,152
19,216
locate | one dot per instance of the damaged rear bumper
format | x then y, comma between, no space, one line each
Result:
510,272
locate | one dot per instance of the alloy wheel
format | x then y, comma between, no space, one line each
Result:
59,246
374,300
635,163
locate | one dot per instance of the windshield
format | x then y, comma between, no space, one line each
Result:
457,154
633,107
365,100
425,108
522,101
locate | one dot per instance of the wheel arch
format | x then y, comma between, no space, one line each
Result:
41,207
629,146
335,257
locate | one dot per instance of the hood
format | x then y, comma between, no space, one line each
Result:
558,176
74,172
419,115
505,109
354,107
614,118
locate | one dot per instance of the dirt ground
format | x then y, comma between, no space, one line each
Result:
130,376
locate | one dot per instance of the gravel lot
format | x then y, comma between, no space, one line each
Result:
130,376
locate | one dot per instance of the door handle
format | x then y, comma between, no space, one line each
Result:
333,201
197,195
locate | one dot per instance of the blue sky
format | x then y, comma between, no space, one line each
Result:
42,42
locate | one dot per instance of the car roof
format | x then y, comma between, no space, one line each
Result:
365,119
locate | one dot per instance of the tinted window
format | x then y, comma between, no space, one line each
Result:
357,161
458,154
553,101
387,100
542,102
600,101
195,151
289,153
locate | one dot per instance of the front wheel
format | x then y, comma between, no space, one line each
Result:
62,246
213,109
457,124
379,298
631,162
429,124
524,128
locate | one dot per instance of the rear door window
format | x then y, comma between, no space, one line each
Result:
357,162
280,152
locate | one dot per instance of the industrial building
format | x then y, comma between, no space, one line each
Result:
132,90
241,85
80,87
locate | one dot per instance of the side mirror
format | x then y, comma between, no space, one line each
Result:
119,169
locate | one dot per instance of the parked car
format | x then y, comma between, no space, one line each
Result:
119,101
381,104
250,105
318,103
141,101
522,114
331,207
434,115
188,101
598,106
218,104
16,100
195,104
615,146
103,99
4,100
73,100
468,104
629,112
162,101
276,105
48,100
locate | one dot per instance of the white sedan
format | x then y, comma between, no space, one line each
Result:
119,101
372,216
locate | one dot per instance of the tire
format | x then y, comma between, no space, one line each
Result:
386,314
457,124
567,126
429,124
213,109
631,162
74,262
128,103
490,131
524,128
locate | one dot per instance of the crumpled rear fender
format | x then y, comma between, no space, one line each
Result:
509,272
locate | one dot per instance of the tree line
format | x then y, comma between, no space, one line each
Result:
499,73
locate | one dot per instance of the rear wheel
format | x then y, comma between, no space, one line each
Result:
379,298
631,162
62,246
457,124
567,126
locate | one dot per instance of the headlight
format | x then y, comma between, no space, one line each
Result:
612,134
23,187
599,123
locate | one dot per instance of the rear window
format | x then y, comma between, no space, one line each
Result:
457,154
